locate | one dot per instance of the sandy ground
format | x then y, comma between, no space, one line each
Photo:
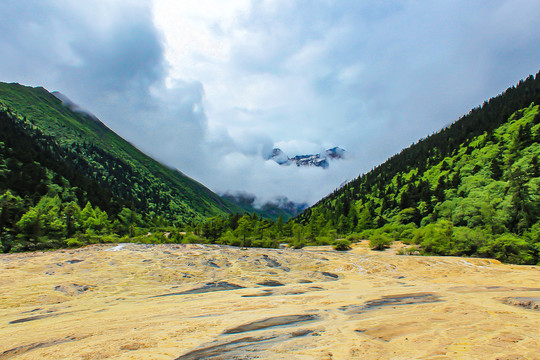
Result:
197,302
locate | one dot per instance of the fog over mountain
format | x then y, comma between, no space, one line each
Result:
211,87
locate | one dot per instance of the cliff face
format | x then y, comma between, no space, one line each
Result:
194,301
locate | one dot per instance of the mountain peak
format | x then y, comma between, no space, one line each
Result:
279,156
318,160
335,153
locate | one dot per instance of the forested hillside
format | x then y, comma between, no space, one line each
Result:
54,160
471,189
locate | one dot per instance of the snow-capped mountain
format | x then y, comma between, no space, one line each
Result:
279,156
310,160
335,153
319,160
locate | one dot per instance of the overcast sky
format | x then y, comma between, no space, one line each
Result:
210,86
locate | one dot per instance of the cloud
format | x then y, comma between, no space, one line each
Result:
91,47
210,87
371,78
109,58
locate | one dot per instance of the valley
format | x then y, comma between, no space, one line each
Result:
269,180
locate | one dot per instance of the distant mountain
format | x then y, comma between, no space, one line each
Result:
318,160
279,156
270,210
50,145
335,153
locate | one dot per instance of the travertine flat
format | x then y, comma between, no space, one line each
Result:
202,301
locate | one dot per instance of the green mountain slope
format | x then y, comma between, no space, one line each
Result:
472,188
74,150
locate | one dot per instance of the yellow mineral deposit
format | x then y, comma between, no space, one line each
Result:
134,301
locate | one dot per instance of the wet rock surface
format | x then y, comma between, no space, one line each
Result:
208,287
270,283
226,350
176,301
31,318
20,350
392,300
330,275
271,322
530,302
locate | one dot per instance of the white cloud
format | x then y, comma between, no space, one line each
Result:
209,86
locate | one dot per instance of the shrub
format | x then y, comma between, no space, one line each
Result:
74,242
398,231
467,241
436,238
157,238
406,234
342,245
323,240
270,243
235,242
366,234
140,240
354,237
191,238
509,248
257,243
229,238
298,244
379,242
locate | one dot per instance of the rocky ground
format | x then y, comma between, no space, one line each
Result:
197,302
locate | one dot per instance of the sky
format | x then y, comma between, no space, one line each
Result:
210,87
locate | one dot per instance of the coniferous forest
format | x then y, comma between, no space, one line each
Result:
469,190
